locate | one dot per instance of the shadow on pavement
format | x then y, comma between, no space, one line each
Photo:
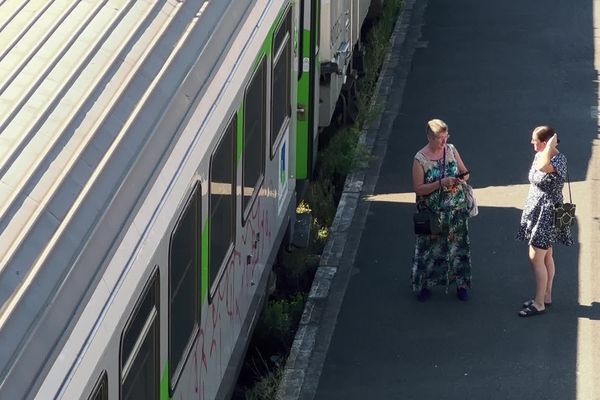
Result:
492,71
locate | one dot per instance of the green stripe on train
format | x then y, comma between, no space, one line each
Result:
164,384
240,135
303,126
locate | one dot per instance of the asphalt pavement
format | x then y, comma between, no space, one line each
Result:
493,70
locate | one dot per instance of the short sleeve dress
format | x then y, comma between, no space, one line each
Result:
537,220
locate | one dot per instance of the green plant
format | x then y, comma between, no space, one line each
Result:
294,271
321,197
376,45
266,387
343,154
275,328
303,208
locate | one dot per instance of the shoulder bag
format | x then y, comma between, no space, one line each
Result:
471,201
564,214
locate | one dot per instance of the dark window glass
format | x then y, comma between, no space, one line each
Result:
142,380
284,29
222,201
100,391
135,327
281,78
139,348
184,266
254,133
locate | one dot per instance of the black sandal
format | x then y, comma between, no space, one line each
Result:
530,302
530,311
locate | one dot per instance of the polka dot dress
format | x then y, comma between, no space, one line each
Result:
537,220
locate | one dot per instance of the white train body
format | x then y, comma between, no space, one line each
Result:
148,157
127,142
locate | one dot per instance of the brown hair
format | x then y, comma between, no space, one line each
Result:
435,127
543,133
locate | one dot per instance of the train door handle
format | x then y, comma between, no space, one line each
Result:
301,112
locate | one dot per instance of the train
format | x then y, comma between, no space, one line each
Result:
152,153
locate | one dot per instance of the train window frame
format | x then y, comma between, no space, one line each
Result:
214,280
300,31
100,390
152,321
281,45
193,200
248,201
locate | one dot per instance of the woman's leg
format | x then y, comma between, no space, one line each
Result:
549,262
459,251
536,258
421,263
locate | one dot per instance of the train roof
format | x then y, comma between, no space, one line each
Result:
93,94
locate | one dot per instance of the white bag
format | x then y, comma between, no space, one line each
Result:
471,201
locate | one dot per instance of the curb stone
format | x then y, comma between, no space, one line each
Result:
301,352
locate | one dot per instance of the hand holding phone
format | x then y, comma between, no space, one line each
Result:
463,174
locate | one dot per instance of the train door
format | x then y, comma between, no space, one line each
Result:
308,88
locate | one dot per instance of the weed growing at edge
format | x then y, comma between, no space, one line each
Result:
277,324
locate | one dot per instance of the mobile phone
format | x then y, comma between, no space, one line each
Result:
462,175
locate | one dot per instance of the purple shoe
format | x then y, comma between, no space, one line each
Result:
463,294
424,295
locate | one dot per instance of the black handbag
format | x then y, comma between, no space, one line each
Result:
426,221
564,214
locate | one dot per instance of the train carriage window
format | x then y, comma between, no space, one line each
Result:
280,85
222,202
139,361
255,128
184,285
100,391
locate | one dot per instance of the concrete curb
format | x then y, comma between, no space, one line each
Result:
304,341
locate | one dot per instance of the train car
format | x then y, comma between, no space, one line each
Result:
146,181
150,157
330,45
307,106
340,41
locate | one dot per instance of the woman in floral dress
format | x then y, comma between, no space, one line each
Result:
547,176
443,259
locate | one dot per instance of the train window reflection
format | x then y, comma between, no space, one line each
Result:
255,127
281,84
184,283
100,391
222,201
139,366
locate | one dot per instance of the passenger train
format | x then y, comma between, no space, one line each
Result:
151,152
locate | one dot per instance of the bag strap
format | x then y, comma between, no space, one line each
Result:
443,176
569,186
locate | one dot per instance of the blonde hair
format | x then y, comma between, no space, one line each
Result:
435,127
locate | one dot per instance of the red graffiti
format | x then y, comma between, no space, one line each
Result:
244,263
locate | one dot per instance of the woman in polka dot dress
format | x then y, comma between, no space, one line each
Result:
547,177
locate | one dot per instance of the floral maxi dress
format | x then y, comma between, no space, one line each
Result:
440,260
537,220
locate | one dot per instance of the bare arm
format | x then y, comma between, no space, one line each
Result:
543,162
423,189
